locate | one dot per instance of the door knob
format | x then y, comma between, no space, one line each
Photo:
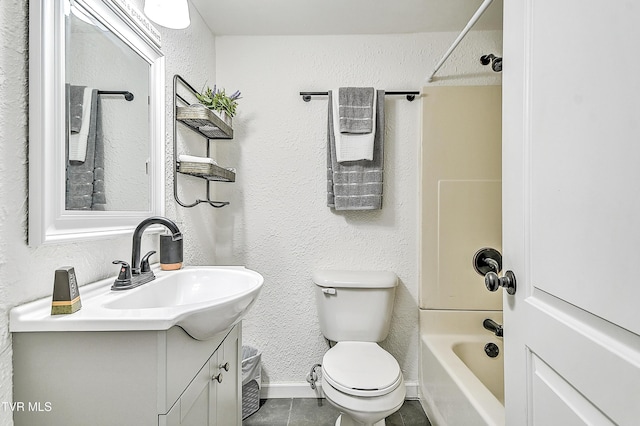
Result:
492,281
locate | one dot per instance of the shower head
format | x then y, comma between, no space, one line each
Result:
486,59
496,63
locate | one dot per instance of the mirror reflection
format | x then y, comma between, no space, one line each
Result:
108,128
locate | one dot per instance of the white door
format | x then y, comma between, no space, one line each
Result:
571,219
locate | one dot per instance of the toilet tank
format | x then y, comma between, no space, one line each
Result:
355,305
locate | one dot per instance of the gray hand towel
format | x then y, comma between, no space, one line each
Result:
76,95
355,107
356,185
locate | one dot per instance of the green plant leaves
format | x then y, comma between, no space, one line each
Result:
218,100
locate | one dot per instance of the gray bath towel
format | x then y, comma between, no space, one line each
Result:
99,198
85,180
356,185
355,109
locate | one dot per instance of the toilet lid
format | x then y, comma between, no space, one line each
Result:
361,368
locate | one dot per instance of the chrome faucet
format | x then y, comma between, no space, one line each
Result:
493,327
139,272
137,238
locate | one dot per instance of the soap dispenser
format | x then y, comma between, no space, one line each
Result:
170,253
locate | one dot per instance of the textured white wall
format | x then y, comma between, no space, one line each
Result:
278,223
191,54
27,273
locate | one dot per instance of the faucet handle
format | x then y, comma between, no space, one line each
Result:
144,263
124,277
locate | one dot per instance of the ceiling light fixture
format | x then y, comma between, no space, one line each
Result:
172,14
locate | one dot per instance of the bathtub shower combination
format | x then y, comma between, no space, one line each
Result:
461,362
462,374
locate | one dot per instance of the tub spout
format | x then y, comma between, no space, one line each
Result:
493,327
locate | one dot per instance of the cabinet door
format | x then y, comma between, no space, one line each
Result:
172,418
229,391
214,396
196,406
197,402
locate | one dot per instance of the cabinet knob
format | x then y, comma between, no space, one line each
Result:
225,366
217,378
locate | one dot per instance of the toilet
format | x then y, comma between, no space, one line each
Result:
362,380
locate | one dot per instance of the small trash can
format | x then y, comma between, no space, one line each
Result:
251,380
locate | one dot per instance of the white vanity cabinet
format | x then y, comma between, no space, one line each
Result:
136,378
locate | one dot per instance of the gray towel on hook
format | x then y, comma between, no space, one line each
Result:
355,108
356,185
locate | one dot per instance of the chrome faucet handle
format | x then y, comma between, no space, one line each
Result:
487,260
124,276
144,263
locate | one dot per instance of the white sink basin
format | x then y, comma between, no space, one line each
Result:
203,300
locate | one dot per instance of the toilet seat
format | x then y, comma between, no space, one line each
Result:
361,369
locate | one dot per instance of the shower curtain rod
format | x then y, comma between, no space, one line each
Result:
464,32
411,95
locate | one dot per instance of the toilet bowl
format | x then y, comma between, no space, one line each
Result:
363,381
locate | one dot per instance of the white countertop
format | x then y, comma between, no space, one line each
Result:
104,310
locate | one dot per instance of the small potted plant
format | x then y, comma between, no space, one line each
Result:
219,102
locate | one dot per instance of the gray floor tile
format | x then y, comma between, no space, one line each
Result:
318,412
272,412
312,412
413,414
394,420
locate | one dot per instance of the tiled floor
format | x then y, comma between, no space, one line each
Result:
318,412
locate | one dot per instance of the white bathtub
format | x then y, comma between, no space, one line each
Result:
460,385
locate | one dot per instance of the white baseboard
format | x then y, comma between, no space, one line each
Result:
290,390
303,390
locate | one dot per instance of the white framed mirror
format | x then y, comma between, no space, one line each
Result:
96,120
